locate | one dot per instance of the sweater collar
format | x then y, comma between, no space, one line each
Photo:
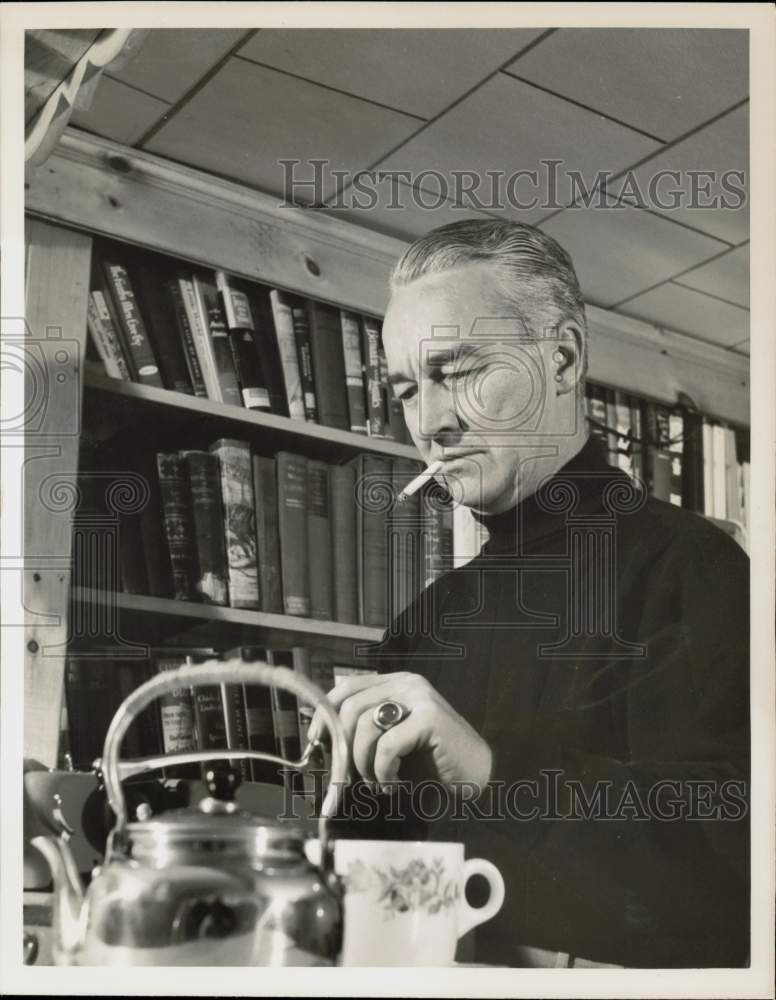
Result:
540,515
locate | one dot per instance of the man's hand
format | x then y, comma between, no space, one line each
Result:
458,752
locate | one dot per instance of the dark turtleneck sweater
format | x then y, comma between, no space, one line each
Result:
600,638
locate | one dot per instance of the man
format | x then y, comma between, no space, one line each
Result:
587,673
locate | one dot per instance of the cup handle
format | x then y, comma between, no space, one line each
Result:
471,916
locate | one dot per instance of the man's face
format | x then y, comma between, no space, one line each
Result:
478,391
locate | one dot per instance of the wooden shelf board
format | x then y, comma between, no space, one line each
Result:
235,422
152,619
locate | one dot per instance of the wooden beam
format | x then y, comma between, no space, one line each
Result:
57,291
140,198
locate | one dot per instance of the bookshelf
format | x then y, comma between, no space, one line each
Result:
91,187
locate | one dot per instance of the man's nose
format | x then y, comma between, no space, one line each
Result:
437,417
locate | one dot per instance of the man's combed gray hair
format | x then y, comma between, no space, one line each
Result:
537,274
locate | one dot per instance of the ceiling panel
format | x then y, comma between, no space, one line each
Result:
720,148
620,252
416,71
727,277
664,81
119,112
171,60
688,311
247,118
509,126
409,221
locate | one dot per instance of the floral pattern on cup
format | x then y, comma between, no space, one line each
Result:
417,886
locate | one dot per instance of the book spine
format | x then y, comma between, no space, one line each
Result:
438,550
257,702
375,474
393,412
406,526
208,515
285,717
162,325
675,450
178,524
611,426
175,292
292,519
598,415
343,532
209,720
708,481
328,365
239,521
658,456
239,321
203,345
105,338
133,327
374,396
267,534
305,359
623,424
140,459
354,372
284,331
236,724
319,541
732,493
267,348
637,442
176,720
216,331
692,463
92,695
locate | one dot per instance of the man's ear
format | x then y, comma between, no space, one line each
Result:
568,357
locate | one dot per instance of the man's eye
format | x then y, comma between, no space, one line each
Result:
409,393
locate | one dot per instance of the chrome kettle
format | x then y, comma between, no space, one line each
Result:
209,885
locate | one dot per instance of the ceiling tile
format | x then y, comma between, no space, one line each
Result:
415,214
688,311
619,252
244,139
119,112
727,277
665,81
510,126
171,60
721,148
414,70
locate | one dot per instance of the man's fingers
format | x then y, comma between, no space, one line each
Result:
410,735
365,740
347,689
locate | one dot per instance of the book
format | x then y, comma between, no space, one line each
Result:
658,457
141,460
373,484
292,529
708,484
226,386
637,440
375,409
393,411
176,718
303,338
675,450
251,707
159,310
622,412
239,521
328,365
178,524
718,473
285,720
354,371
209,721
93,693
286,340
693,463
267,534
342,483
197,326
267,347
597,417
105,337
732,487
437,547
174,289
129,323
611,426
204,474
319,541
242,333
405,525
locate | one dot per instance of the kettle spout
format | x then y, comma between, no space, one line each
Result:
67,922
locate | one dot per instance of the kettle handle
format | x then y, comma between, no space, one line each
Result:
217,672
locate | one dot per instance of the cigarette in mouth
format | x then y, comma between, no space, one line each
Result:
418,481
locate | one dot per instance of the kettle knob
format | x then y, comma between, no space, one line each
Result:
222,783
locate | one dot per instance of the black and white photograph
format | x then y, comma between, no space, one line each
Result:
388,499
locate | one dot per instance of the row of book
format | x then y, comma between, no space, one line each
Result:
681,456
283,534
208,334
224,717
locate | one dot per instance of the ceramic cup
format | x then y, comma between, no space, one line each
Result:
405,903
